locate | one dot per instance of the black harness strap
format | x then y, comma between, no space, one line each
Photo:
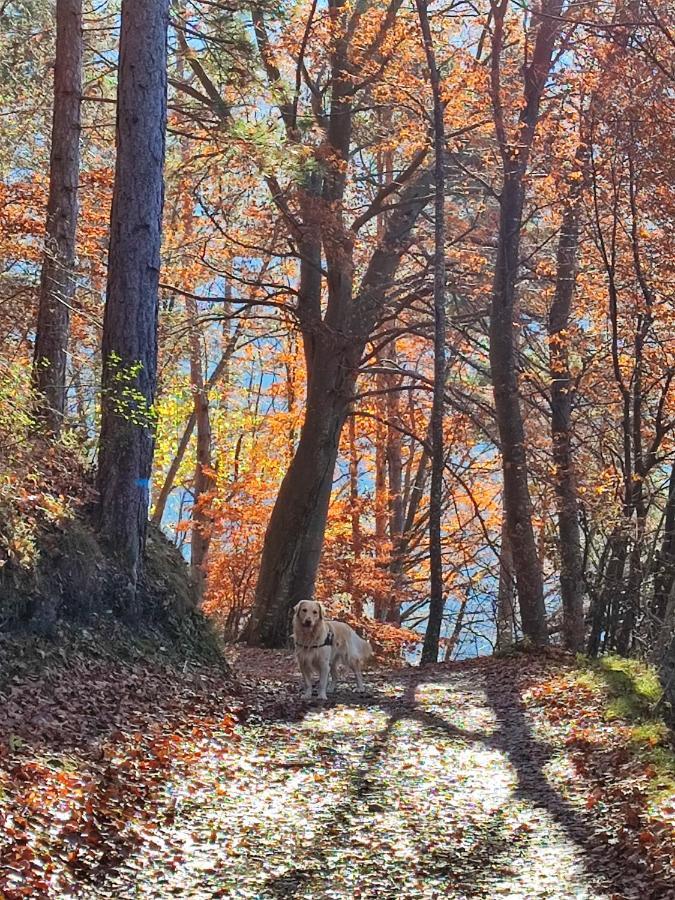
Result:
327,643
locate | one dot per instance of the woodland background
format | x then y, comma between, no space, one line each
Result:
417,288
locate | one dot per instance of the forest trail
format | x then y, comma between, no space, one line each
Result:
434,784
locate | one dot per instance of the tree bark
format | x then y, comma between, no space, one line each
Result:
515,150
571,560
395,475
665,572
505,595
604,609
357,537
503,366
295,532
436,592
334,334
129,347
57,282
294,535
380,599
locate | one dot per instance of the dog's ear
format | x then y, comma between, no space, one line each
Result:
296,609
320,605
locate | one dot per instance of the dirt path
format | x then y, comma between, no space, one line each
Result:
433,785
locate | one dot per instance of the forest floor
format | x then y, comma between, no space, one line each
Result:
487,779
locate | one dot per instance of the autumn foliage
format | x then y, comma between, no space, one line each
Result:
249,133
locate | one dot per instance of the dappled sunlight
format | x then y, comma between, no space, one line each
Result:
404,796
462,705
348,719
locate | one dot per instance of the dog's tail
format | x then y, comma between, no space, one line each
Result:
363,649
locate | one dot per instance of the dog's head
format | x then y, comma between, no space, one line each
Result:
308,613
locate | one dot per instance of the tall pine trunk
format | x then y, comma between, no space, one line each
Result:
129,346
571,564
57,283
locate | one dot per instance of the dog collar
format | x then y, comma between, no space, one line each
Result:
327,643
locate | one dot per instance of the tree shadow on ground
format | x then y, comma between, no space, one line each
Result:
529,757
440,859
492,849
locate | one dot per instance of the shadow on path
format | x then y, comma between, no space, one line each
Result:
440,860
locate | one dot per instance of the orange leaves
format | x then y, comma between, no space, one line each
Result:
87,786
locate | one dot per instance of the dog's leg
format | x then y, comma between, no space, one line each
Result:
356,669
307,678
323,679
332,687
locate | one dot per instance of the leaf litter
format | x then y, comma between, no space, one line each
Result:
463,781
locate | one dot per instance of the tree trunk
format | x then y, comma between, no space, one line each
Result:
571,564
665,655
220,372
436,594
503,365
380,602
129,348
357,537
395,474
609,598
505,595
295,532
665,572
515,151
632,593
57,282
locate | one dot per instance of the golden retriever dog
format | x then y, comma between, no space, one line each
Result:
322,646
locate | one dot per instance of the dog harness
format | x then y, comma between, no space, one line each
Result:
327,643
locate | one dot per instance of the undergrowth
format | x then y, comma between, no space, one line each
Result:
632,694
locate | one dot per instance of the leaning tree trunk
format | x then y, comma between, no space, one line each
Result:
219,372
295,532
503,365
294,535
129,346
57,283
571,564
436,594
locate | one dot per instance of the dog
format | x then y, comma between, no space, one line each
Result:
322,645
